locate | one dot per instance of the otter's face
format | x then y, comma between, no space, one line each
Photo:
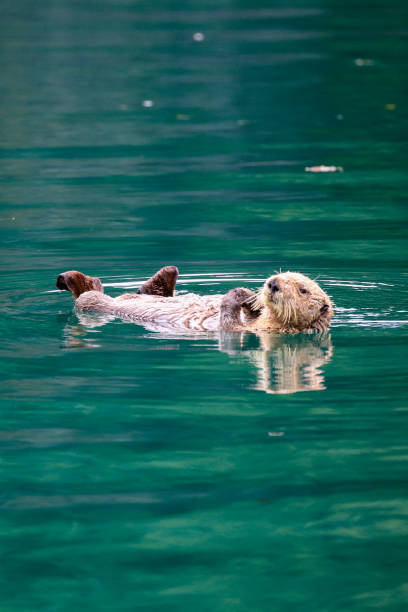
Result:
297,301
78,283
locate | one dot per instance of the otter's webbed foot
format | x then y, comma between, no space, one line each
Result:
78,283
162,283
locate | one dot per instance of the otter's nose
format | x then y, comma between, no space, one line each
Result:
273,285
61,284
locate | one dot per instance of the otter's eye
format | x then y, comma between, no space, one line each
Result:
303,290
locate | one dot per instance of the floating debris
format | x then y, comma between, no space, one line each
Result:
363,62
276,434
390,107
198,36
182,117
147,103
324,169
123,107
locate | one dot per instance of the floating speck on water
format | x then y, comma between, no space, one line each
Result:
147,103
339,117
390,107
363,62
242,122
198,36
323,168
13,218
123,107
181,117
276,434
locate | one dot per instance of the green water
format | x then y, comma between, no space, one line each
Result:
153,472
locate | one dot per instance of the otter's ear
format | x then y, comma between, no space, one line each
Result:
249,308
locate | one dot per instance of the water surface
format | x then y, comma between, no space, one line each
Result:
146,471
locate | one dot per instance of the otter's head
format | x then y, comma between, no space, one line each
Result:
78,283
296,302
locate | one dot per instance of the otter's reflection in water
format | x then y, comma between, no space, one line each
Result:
80,325
284,363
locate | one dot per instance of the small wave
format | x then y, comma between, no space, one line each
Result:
367,318
205,279
360,285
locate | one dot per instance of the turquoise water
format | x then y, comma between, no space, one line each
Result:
153,472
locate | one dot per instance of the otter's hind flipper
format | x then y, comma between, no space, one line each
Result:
78,283
162,283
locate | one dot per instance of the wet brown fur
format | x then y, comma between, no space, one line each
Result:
161,284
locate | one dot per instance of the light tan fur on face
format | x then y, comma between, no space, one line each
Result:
291,302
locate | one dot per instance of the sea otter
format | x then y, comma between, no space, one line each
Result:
287,303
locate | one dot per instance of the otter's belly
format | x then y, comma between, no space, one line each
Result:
188,312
